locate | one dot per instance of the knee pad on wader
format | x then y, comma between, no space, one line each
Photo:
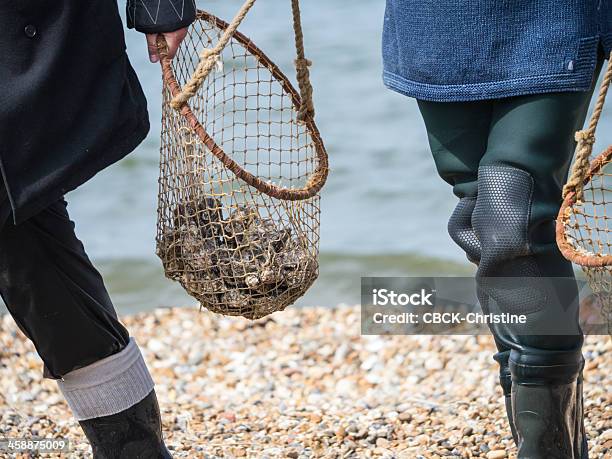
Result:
461,231
501,224
509,277
547,404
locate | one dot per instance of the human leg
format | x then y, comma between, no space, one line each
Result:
457,134
519,192
59,301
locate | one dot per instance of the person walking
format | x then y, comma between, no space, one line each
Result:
502,87
71,105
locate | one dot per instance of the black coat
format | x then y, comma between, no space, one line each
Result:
70,102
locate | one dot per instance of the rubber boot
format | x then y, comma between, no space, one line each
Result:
131,434
505,381
583,448
547,405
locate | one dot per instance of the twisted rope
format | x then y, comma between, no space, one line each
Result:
586,139
210,56
301,66
208,59
317,178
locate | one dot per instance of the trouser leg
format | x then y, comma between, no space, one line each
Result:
458,136
528,146
457,133
59,301
519,192
55,295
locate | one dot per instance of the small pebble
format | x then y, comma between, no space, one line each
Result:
405,416
295,386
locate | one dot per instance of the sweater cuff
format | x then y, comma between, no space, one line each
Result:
160,16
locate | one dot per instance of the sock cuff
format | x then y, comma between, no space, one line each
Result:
108,386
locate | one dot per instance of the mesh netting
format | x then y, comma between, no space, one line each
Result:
587,230
239,248
584,225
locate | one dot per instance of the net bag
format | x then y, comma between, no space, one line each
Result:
584,223
242,163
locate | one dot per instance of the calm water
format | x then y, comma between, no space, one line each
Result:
384,209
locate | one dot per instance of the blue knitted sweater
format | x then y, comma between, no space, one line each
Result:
457,50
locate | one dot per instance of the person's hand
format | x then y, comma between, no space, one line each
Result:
173,39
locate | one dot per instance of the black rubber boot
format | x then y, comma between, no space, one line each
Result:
547,406
582,449
505,381
135,433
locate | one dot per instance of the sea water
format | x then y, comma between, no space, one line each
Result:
384,209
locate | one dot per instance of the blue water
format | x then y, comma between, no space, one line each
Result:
384,209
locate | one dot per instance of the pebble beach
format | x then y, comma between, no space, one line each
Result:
302,383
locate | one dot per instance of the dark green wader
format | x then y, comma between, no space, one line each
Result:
507,161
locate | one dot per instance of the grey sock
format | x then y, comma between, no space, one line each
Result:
108,386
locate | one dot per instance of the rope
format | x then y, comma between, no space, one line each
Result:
301,66
317,178
586,139
208,59
210,56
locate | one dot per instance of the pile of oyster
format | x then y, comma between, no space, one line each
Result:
239,264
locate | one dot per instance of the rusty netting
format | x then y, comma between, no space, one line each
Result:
242,163
584,224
